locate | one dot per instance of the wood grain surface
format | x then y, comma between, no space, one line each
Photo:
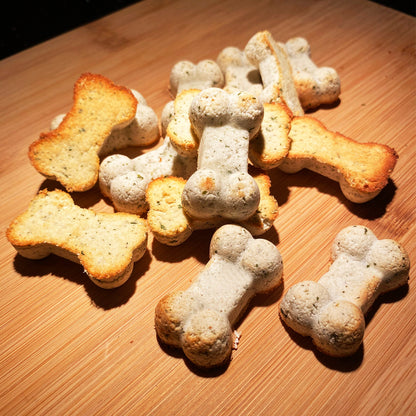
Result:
68,347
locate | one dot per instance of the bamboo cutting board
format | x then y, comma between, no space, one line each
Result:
68,347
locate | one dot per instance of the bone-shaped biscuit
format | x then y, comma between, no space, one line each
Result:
105,244
222,186
185,75
239,73
69,153
125,180
142,131
271,59
315,85
170,225
362,169
266,150
331,311
200,319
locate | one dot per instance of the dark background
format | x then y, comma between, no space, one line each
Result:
25,25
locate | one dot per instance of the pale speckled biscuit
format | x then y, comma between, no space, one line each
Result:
69,154
106,245
125,180
200,319
170,225
315,85
331,311
143,130
271,59
186,75
362,169
222,186
266,150
239,73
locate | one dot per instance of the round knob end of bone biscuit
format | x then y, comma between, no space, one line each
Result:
181,70
300,305
229,56
354,241
207,340
339,329
392,260
255,50
128,192
170,313
200,194
246,112
240,196
111,167
263,261
229,241
298,45
209,107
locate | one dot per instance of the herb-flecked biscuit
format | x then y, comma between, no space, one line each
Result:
170,225
221,185
362,169
314,85
332,310
69,154
124,181
271,59
106,244
200,319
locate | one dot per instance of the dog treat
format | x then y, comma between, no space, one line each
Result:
362,169
239,73
315,85
179,129
271,145
332,310
170,225
271,59
185,75
266,150
222,186
69,153
200,319
105,244
125,180
142,131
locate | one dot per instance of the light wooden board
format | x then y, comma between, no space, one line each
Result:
68,347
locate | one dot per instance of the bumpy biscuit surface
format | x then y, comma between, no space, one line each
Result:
271,59
239,73
69,153
331,311
186,75
170,225
315,85
222,186
105,244
199,320
124,181
362,169
143,130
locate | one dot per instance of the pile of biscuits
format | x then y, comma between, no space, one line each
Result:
229,121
